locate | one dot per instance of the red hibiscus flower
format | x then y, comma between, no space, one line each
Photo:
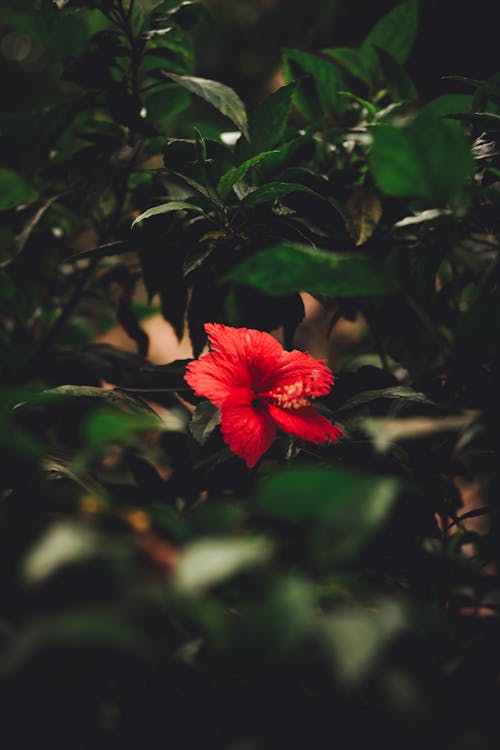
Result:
258,386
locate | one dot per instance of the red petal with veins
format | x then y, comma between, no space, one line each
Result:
305,423
248,431
215,376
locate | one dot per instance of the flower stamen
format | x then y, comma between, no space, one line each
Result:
290,396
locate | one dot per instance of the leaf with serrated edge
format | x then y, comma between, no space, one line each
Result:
236,174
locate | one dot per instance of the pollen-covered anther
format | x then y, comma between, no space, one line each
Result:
290,396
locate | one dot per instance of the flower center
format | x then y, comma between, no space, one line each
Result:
290,396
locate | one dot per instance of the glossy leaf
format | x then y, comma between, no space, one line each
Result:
288,267
167,208
236,174
220,96
268,122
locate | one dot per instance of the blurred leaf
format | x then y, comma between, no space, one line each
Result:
482,120
62,544
105,426
220,96
429,158
386,432
209,562
205,419
431,215
364,210
349,507
448,104
236,174
360,636
288,267
14,190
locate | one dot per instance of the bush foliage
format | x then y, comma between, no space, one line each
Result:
154,588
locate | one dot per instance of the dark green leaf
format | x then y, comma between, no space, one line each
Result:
483,120
220,96
268,122
449,104
14,190
288,267
399,83
352,505
236,174
350,59
274,191
398,392
326,80
395,33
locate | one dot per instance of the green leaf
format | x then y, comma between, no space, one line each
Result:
288,267
449,104
395,33
268,122
14,190
430,158
222,97
166,208
274,191
350,59
316,96
106,426
398,392
236,174
209,562
352,506
399,83
483,120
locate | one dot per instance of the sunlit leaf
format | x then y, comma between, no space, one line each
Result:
209,562
220,96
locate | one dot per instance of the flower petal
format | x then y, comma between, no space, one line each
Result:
214,376
249,431
306,424
309,376
257,351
